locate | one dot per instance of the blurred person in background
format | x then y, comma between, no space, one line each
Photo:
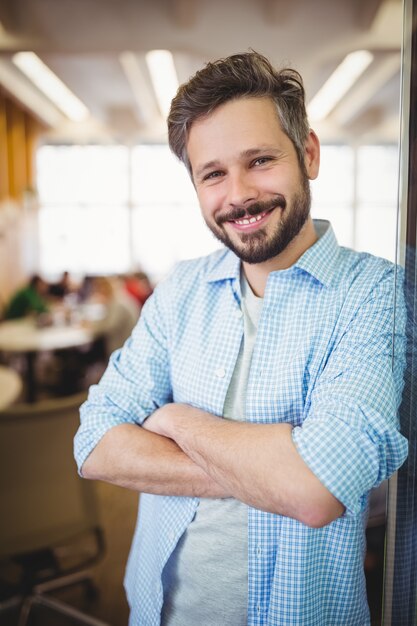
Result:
102,305
62,287
121,311
255,404
32,298
139,286
85,288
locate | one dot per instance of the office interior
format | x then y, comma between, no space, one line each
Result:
90,193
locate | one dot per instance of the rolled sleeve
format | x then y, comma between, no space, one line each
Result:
135,383
350,437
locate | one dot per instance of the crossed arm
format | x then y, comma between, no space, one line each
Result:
182,450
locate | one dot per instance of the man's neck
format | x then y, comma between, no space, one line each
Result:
257,273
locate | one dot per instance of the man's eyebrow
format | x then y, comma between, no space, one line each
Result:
260,150
206,166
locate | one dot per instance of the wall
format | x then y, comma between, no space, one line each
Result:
19,133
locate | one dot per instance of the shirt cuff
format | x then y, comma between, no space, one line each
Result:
345,460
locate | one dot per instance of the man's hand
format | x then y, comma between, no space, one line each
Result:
171,419
159,421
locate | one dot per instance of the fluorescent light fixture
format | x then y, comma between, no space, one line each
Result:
164,77
339,83
26,92
135,70
45,80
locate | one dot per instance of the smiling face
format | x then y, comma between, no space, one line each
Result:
253,194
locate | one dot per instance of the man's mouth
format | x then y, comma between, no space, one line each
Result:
254,216
251,222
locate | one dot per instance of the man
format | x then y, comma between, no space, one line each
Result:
257,518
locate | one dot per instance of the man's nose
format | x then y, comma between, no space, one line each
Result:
241,190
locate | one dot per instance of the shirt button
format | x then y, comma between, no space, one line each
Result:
238,314
258,551
220,372
258,609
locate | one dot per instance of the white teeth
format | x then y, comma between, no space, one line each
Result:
251,220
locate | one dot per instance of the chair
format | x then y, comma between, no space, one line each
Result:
49,526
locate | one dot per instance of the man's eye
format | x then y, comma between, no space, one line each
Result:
211,175
261,160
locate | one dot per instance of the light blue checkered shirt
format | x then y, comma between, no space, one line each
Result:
322,362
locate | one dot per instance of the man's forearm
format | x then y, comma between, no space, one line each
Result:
132,457
258,463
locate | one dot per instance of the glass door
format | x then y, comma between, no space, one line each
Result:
400,588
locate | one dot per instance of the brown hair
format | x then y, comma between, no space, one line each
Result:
239,76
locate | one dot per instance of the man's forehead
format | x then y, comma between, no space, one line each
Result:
252,112
247,101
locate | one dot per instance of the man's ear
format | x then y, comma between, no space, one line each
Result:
312,155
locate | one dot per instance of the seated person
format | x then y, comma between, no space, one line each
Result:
122,311
139,286
29,299
62,287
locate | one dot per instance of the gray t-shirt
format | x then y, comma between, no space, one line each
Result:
206,578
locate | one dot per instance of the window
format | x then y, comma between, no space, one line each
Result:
377,181
84,218
333,191
167,226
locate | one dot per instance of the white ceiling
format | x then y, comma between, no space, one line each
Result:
82,41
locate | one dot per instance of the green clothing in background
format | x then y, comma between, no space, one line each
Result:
25,301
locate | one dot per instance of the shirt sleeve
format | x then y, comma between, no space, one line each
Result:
350,437
135,383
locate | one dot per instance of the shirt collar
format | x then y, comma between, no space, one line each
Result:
319,261
223,265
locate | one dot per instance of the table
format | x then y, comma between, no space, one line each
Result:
10,386
25,337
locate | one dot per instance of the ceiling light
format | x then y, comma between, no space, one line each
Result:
339,83
136,74
45,80
164,77
26,92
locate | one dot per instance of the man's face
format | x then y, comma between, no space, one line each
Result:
253,195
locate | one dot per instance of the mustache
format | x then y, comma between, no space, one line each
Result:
254,209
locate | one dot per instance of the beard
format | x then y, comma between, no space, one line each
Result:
258,247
